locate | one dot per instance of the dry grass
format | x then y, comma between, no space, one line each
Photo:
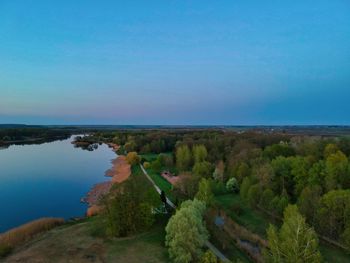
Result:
74,243
23,233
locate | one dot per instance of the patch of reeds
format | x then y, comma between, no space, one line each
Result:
23,233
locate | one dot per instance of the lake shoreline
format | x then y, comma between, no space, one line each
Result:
103,188
119,172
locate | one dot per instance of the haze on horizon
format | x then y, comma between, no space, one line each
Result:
175,62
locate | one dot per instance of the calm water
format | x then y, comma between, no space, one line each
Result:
47,180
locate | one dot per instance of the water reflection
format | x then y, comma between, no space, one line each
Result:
48,180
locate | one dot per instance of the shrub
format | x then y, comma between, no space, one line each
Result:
5,250
133,158
146,165
232,185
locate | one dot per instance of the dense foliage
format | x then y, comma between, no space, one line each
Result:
129,207
34,134
186,233
269,170
294,242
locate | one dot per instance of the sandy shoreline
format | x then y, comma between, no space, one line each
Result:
120,171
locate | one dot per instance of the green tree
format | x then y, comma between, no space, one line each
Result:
202,169
199,153
276,150
133,158
334,213
128,208
295,242
209,257
253,195
130,146
183,158
283,180
300,168
337,171
243,171
266,198
188,185
205,193
232,185
317,174
186,234
308,202
264,173
330,148
247,182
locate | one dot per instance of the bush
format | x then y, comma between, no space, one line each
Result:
133,158
146,165
5,250
232,185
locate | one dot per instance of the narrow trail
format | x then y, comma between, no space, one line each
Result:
209,245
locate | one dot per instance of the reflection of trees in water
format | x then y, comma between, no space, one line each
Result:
88,142
3,147
88,147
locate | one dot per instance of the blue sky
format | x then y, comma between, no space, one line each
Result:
175,62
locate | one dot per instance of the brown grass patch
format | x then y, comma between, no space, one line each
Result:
120,171
23,233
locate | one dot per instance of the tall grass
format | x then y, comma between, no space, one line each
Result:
23,233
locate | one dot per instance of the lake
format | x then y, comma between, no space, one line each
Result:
48,180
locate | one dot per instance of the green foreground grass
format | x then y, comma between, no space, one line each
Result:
258,223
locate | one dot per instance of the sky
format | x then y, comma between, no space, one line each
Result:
202,62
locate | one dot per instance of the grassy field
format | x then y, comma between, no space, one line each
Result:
162,183
149,157
157,178
249,218
146,247
258,223
74,243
